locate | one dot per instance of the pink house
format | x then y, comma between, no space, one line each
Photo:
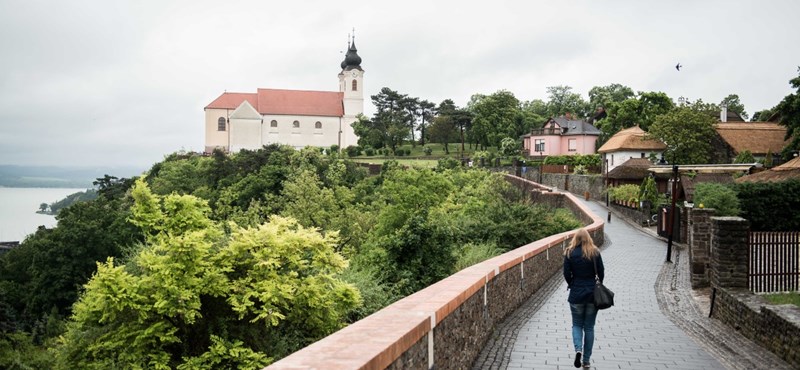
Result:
560,136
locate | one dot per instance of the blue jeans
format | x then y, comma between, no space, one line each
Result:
583,317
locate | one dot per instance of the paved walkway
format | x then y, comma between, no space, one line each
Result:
655,324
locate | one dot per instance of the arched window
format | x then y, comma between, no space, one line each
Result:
221,124
318,124
296,124
274,123
355,85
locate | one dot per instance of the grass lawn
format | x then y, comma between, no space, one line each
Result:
784,298
428,163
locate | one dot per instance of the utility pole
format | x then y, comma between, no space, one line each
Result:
672,214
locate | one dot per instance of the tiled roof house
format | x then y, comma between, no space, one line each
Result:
561,136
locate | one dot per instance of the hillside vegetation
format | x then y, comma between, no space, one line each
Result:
235,261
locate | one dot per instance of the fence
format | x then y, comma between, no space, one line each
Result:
773,261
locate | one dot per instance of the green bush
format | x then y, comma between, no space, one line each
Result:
624,193
427,150
353,151
369,151
472,253
334,148
770,206
447,163
745,157
717,196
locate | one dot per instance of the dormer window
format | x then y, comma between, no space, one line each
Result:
221,124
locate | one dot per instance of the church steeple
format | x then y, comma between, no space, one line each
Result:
351,58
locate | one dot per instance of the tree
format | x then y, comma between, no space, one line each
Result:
391,120
427,113
763,115
687,132
192,297
495,117
412,107
789,111
562,101
443,128
605,96
734,105
641,111
744,157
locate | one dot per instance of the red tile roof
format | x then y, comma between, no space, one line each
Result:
300,102
285,102
232,100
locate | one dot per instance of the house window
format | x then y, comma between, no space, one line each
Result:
572,145
296,124
538,145
273,123
221,124
355,85
318,124
642,155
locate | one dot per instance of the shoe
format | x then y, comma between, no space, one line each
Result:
577,359
587,366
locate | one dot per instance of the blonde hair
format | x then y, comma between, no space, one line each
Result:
582,238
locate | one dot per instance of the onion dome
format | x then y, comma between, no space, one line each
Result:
351,59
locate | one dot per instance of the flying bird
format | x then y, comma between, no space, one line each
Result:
678,66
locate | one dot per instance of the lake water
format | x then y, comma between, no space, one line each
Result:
18,206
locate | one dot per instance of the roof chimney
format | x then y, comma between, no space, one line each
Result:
723,113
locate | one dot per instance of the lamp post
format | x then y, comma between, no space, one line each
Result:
671,220
606,173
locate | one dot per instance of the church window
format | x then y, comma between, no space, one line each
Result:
355,85
274,123
296,124
318,124
221,124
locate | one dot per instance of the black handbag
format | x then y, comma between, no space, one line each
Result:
603,297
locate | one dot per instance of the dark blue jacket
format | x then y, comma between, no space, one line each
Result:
579,274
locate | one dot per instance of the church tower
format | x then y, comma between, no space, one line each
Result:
351,84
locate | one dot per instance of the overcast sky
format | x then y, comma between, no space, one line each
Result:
104,83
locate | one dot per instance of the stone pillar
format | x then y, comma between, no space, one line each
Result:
699,241
729,252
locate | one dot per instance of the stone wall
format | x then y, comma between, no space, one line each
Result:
729,252
699,240
576,184
446,325
775,327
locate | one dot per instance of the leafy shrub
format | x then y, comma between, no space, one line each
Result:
717,196
770,206
369,151
408,152
427,150
447,163
353,151
745,157
624,193
399,152
334,148
472,253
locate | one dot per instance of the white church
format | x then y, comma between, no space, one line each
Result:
299,118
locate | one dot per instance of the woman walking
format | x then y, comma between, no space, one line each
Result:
582,261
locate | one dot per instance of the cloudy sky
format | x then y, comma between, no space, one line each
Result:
105,83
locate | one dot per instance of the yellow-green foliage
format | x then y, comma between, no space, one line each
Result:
194,298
